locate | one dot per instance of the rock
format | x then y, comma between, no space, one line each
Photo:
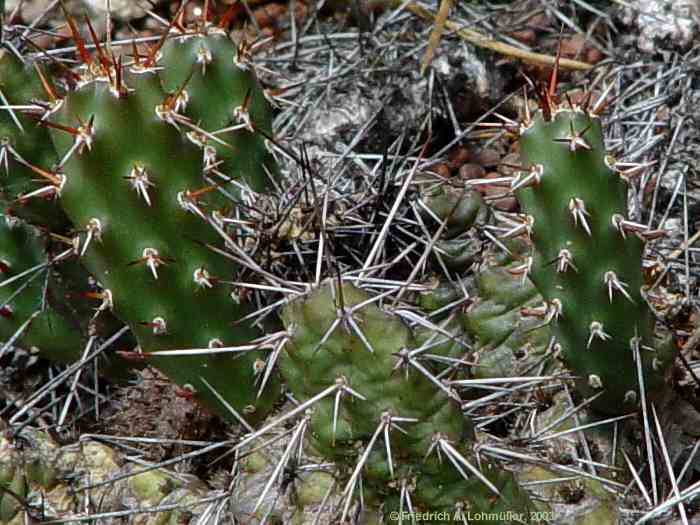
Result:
471,171
579,48
125,10
663,24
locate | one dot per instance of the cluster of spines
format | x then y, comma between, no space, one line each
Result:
27,156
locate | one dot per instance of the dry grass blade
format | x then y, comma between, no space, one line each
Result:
481,40
435,34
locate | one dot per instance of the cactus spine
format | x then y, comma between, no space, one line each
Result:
27,155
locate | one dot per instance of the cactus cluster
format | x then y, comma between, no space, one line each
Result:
70,478
404,442
148,174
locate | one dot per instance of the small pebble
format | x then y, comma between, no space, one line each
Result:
457,157
471,171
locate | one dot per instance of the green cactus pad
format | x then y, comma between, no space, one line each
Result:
146,235
586,264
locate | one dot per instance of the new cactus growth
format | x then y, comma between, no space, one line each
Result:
587,256
149,226
459,209
413,439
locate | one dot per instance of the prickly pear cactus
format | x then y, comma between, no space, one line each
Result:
149,229
587,257
383,419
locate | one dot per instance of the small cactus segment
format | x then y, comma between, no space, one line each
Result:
134,189
27,156
507,342
26,316
217,90
404,422
460,209
13,488
65,481
587,258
